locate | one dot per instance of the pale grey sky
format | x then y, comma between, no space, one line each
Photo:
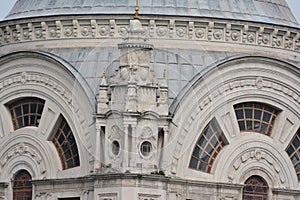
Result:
6,5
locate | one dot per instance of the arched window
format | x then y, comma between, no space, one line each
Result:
255,189
208,146
65,144
293,150
22,187
255,117
26,111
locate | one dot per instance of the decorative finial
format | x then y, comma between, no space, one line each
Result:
136,16
165,74
104,73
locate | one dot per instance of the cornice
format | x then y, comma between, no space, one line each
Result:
177,28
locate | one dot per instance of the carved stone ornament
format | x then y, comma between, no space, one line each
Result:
115,133
257,155
147,133
68,31
181,32
23,149
251,37
200,33
103,31
218,34
85,31
235,35
123,31
161,31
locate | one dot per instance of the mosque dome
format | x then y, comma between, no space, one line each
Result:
266,11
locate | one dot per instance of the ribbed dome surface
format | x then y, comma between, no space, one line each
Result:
269,11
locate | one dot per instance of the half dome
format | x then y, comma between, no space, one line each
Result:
267,11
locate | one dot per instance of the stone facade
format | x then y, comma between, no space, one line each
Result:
127,103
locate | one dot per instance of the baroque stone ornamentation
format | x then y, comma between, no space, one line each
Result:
181,32
85,31
218,34
23,149
68,31
251,37
235,35
52,32
103,31
147,132
161,31
200,33
258,155
123,31
274,39
38,33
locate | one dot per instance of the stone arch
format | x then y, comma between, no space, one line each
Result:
37,74
214,93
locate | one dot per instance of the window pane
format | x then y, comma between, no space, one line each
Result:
242,125
266,117
296,142
202,166
248,113
240,114
193,163
196,152
249,125
257,114
202,141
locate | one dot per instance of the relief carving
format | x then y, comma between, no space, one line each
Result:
24,150
200,33
258,155
42,30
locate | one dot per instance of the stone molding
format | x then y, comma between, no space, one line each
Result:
195,29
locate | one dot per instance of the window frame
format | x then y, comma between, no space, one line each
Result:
21,177
65,144
248,118
203,143
255,182
22,118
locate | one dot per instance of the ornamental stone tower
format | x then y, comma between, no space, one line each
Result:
135,119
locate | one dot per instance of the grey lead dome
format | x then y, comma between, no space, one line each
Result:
267,11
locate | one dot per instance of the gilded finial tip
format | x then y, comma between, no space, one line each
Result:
104,73
136,16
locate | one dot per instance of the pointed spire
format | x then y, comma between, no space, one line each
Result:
136,16
165,74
